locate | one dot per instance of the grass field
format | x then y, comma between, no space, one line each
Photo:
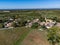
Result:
13,36
31,13
36,37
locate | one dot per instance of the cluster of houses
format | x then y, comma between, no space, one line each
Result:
10,22
48,23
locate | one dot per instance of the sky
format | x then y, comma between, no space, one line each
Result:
29,4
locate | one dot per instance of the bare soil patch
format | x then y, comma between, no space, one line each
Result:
36,37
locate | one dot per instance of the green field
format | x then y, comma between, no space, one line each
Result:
31,13
13,36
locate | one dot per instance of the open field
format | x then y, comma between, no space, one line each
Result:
31,13
36,37
13,36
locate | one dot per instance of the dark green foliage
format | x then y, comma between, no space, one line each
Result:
42,18
22,23
1,25
53,35
44,27
15,25
56,19
35,25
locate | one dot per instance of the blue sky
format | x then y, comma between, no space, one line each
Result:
27,4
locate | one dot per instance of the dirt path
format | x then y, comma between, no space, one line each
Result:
35,37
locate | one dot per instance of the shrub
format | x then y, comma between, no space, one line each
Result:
53,35
56,19
1,25
42,19
35,25
22,23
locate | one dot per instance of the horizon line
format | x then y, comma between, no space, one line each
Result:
28,8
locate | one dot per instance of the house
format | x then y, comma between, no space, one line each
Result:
58,25
11,20
35,20
48,20
8,25
50,24
42,23
30,23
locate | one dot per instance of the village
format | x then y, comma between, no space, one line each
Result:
46,23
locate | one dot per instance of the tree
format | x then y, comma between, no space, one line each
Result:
35,25
1,25
56,19
42,18
53,35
